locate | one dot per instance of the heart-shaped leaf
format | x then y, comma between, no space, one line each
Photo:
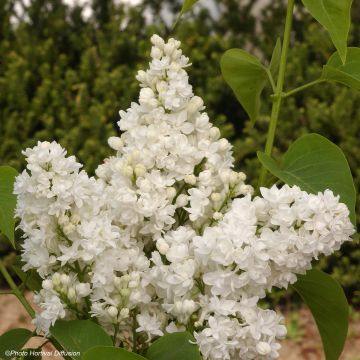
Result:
78,336
348,73
329,307
335,17
315,164
175,346
188,4
7,202
13,340
110,353
247,77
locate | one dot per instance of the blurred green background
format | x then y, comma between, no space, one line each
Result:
64,77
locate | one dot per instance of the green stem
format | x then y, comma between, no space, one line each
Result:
303,87
277,98
16,290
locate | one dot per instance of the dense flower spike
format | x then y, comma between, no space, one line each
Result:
168,236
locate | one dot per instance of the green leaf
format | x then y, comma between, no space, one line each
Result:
175,346
31,278
110,353
315,164
335,17
188,4
7,202
13,340
247,77
275,59
329,307
348,73
79,336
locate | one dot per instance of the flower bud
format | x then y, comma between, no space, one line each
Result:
47,284
157,41
223,144
215,197
75,219
127,171
124,313
156,53
112,311
195,104
214,133
241,176
68,228
171,192
162,246
190,179
233,180
56,279
115,143
83,289
182,200
71,294
263,348
65,279
225,175
63,220
217,216
140,170
125,293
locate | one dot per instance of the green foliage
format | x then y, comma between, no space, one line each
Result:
329,307
335,17
188,4
7,202
315,164
13,339
275,59
247,77
79,336
176,346
347,73
110,353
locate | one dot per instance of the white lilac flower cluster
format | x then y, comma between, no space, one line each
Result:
168,237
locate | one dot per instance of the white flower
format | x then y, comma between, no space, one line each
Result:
150,324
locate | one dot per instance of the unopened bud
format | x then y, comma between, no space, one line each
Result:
196,104
171,192
71,294
157,41
140,170
217,216
215,197
263,348
115,143
65,279
214,133
223,144
162,246
112,311
124,313
225,175
190,179
182,200
127,171
47,284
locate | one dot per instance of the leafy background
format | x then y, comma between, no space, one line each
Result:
64,78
